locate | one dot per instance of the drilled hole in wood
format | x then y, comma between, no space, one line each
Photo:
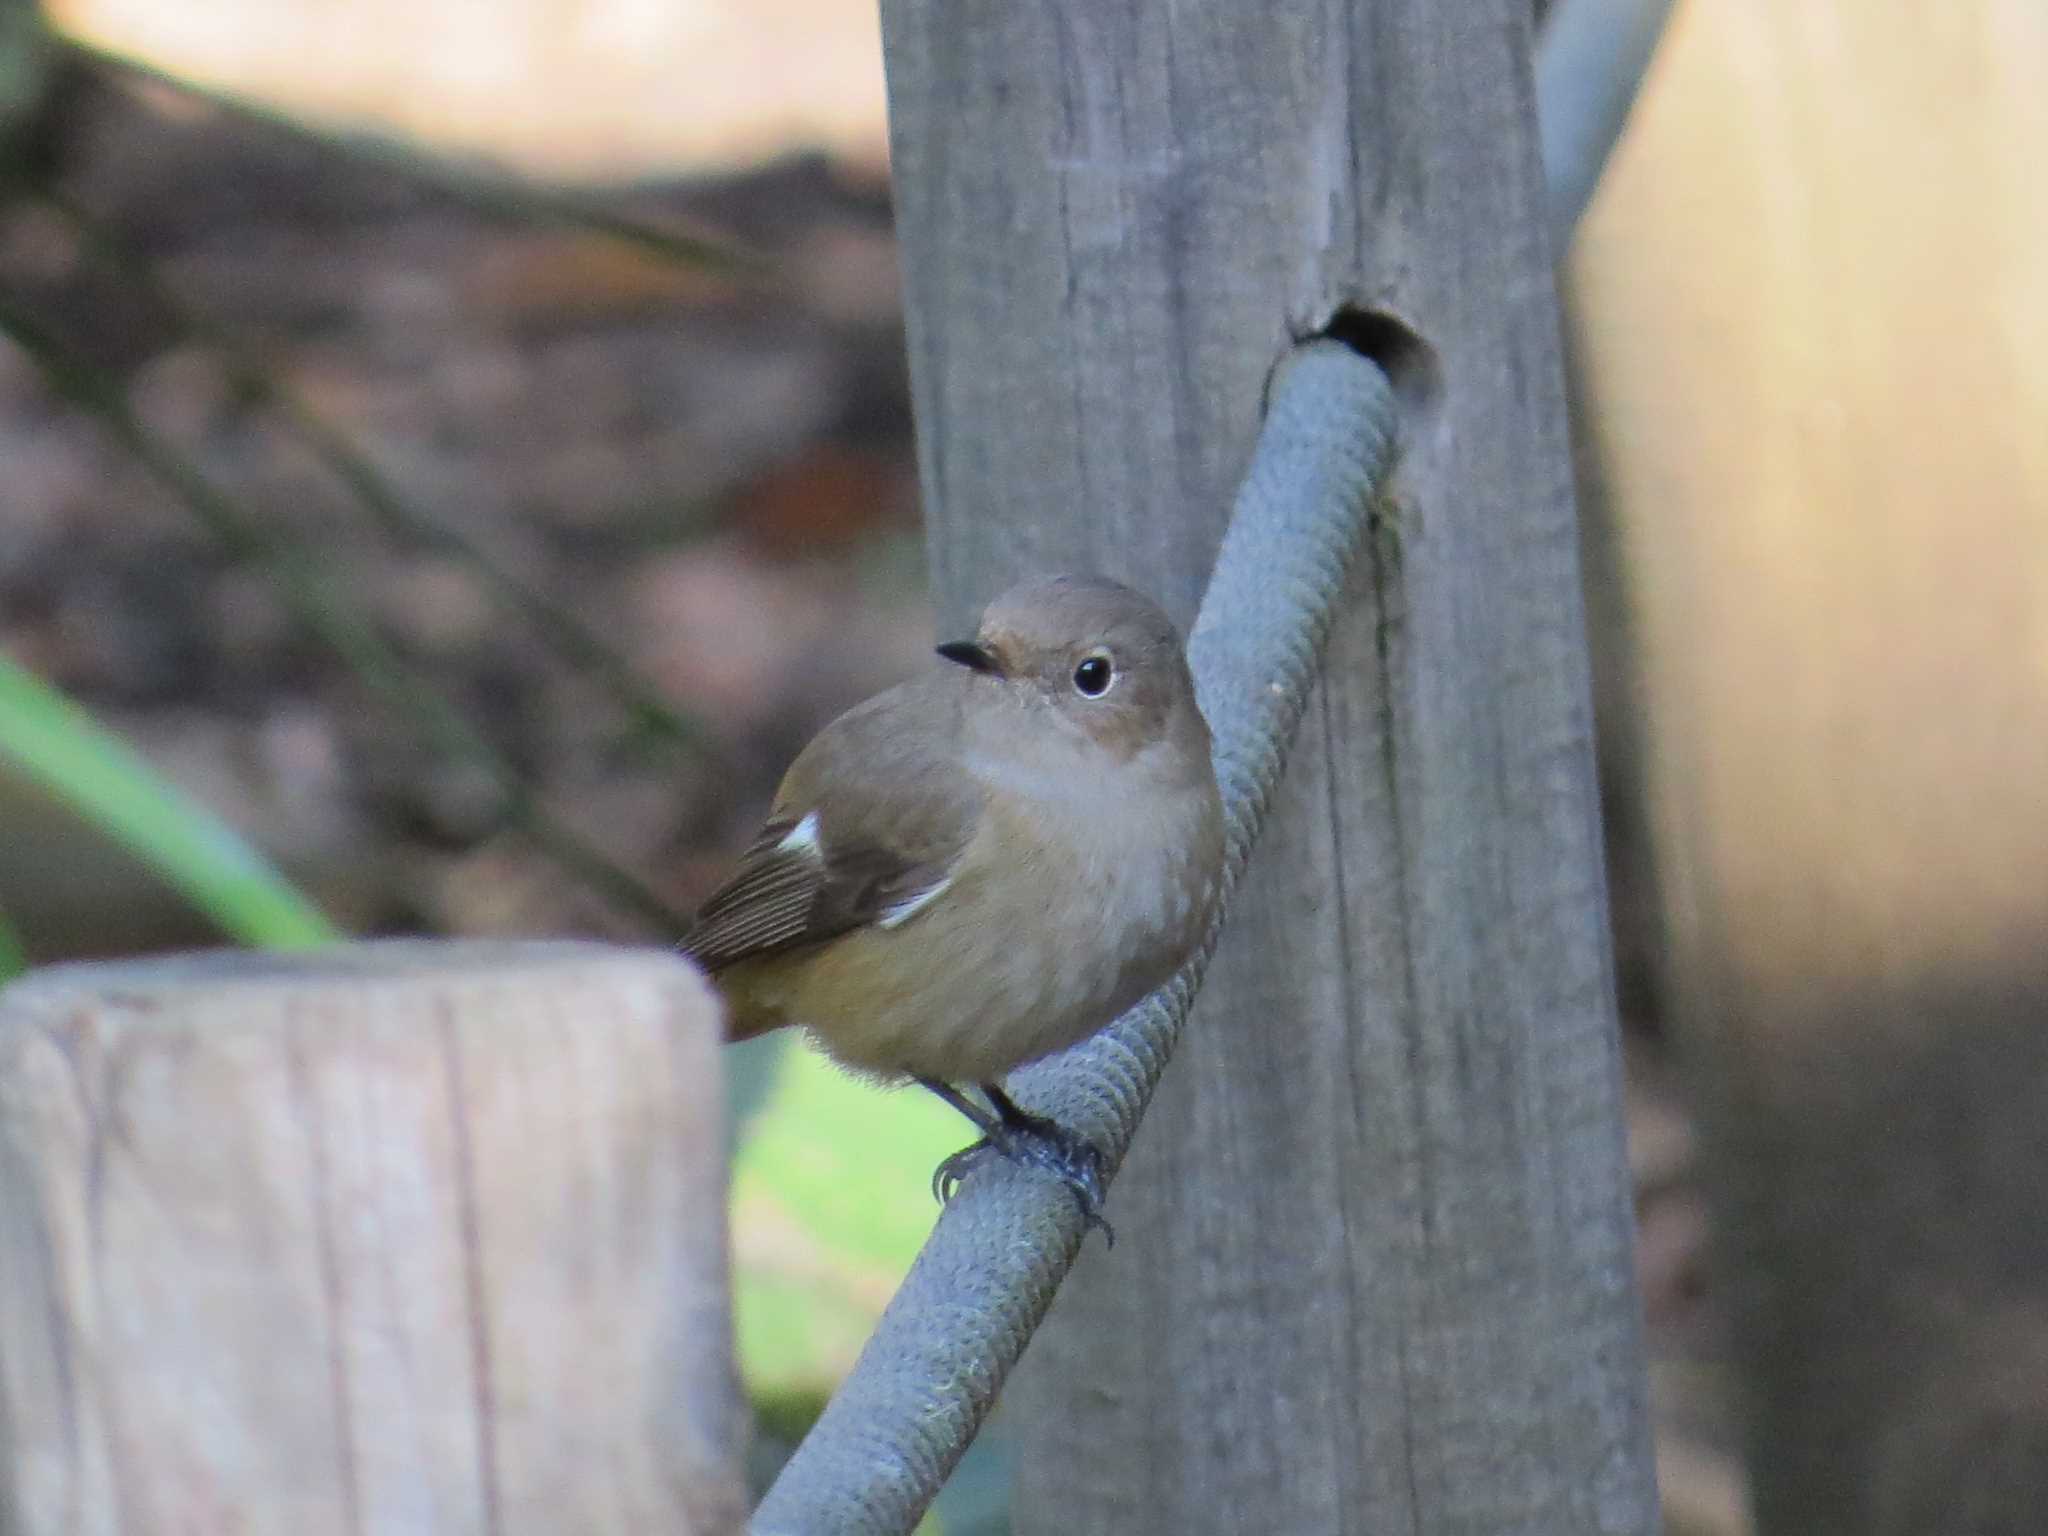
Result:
1409,361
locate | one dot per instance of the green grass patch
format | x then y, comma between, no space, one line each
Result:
831,1201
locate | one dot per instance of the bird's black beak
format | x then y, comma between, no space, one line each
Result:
972,655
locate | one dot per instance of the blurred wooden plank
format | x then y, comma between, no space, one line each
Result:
1374,1270
1813,317
401,1237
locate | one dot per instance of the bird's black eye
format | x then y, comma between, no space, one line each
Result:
1093,677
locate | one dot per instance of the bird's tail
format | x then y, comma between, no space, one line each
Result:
743,1021
746,1025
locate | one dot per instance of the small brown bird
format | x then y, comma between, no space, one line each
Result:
985,864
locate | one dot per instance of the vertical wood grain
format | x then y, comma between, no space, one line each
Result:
416,1238
1375,1272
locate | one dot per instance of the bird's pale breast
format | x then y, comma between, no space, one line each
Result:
1010,962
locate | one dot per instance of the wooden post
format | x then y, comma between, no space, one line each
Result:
401,1238
1374,1267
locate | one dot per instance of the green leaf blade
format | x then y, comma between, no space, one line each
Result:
60,747
13,956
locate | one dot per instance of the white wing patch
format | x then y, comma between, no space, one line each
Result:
803,838
904,911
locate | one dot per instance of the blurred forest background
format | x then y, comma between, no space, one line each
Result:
466,450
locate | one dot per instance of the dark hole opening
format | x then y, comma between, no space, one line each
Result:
1409,361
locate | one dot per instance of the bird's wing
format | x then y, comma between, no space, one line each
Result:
866,829
794,888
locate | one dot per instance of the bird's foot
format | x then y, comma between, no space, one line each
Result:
1032,1141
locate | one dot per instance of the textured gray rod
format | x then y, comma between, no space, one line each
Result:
923,1384
1588,66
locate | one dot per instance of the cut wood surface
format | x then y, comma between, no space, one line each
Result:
1373,1269
394,1238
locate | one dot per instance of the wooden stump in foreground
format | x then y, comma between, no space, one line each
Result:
401,1237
